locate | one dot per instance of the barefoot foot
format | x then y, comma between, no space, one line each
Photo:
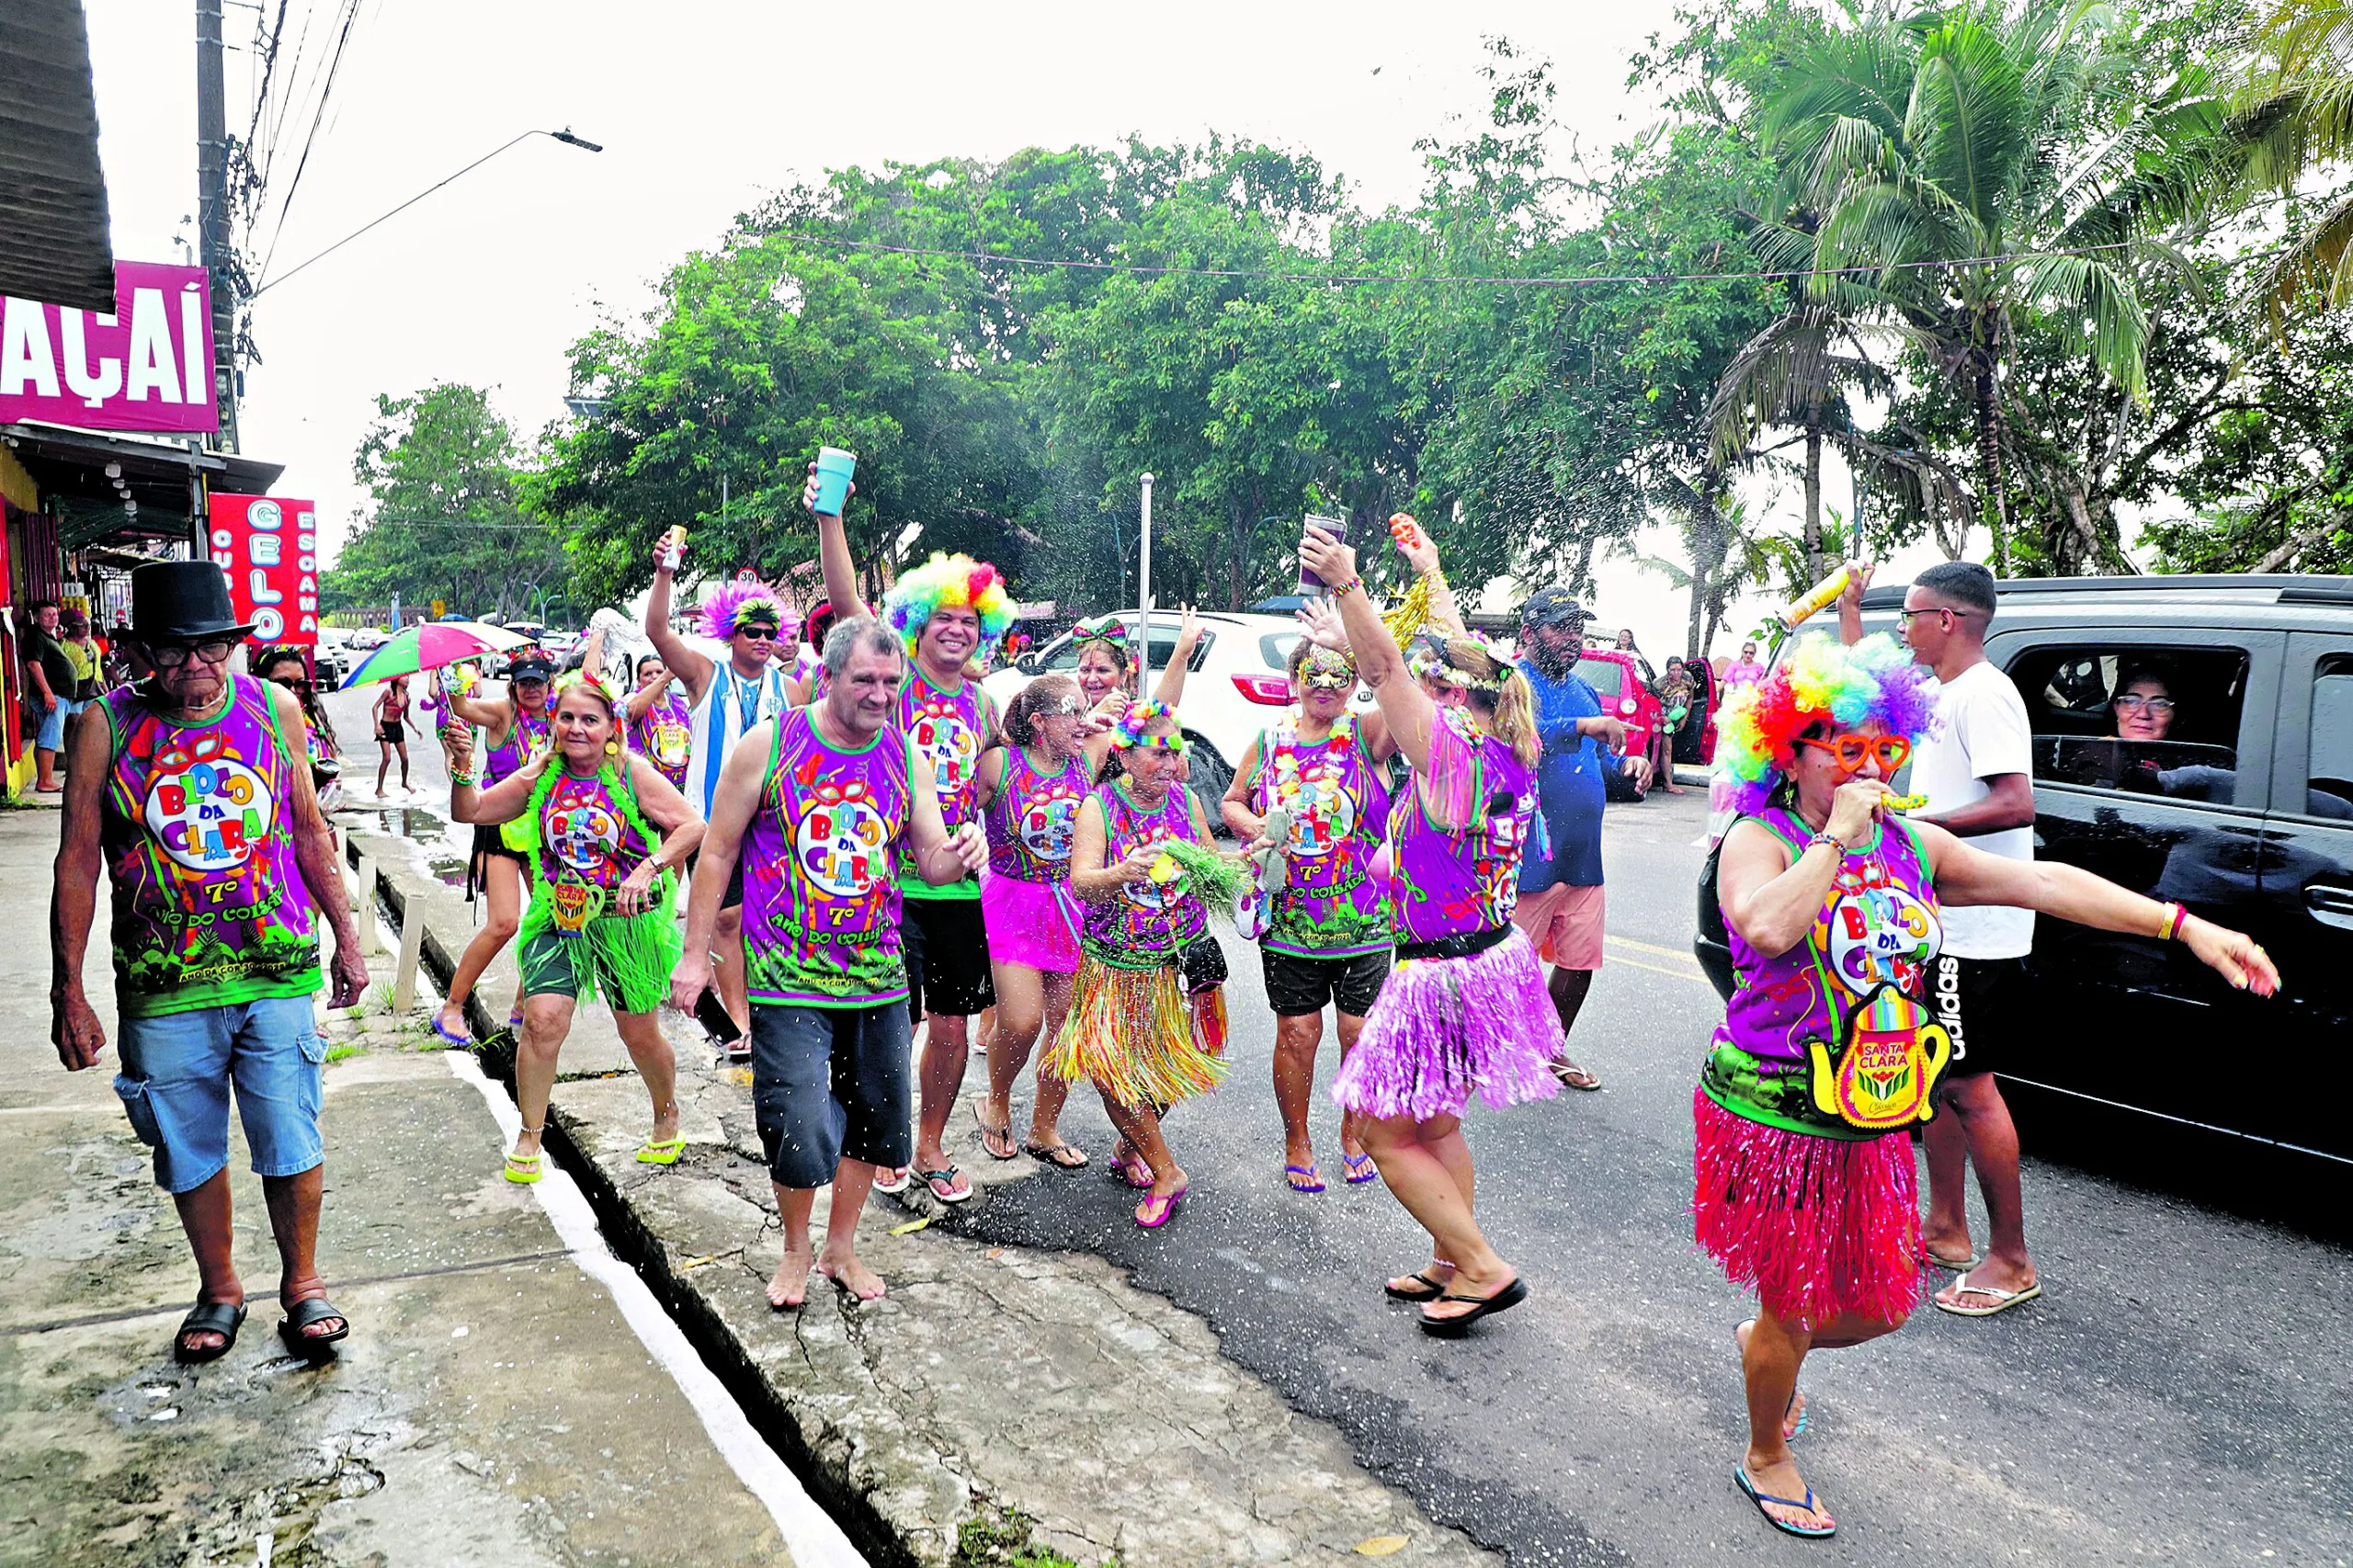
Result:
854,1278
791,1286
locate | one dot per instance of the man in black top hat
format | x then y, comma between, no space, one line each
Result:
193,788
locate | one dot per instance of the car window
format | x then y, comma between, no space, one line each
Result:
1275,649
2139,718
2329,781
1606,676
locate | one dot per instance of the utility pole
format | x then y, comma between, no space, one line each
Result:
212,213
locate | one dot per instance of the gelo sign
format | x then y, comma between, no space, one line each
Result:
147,366
269,548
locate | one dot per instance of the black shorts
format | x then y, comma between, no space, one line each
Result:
392,734
733,896
1976,1001
1298,987
829,1084
946,945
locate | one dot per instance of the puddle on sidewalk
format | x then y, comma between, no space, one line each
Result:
440,845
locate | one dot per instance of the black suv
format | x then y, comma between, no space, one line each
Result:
2223,781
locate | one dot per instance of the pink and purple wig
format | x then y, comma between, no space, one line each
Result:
738,602
1819,681
953,581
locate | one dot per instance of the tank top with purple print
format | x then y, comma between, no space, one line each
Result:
209,904
1835,1037
1330,906
664,733
820,859
1143,925
1032,818
1451,883
523,736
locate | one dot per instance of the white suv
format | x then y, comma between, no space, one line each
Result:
1235,687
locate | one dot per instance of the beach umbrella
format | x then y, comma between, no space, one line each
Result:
428,647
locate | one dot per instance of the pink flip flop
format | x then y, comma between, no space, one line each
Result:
1155,1211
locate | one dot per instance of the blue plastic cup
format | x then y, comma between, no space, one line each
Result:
834,468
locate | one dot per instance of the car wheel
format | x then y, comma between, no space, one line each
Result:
1209,779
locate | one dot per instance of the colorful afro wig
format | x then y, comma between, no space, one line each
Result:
1819,681
737,603
957,582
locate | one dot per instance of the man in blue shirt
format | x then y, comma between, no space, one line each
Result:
1560,902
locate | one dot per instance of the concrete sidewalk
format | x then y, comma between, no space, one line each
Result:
997,1397
492,1406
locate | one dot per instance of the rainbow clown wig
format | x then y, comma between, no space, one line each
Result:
744,604
1820,681
957,582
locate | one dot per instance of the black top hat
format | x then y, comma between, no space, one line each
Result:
182,601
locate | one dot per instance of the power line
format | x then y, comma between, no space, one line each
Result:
1499,281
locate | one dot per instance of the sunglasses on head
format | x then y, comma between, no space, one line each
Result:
1852,751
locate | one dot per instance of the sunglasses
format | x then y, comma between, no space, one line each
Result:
758,633
1852,751
172,656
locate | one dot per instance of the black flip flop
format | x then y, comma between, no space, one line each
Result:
1502,1300
1410,1294
223,1318
300,1316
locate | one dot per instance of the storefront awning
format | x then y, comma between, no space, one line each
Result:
52,191
71,467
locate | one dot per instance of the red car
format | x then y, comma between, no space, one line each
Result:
1623,680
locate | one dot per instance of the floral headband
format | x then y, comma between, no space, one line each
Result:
1139,717
1429,661
614,696
1326,669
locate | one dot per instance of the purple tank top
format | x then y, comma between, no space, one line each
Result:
1844,1011
523,736
1451,882
1144,924
821,900
664,734
209,904
585,836
1330,906
1033,817
948,731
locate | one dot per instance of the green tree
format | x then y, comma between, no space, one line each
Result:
442,469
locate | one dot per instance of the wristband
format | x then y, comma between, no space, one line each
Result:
2175,915
1354,584
1832,839
465,781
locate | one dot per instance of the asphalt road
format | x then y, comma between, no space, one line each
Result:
2177,1395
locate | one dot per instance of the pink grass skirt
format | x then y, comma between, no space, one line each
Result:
1444,1029
1815,1226
1034,923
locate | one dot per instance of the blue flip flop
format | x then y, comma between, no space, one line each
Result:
1310,1172
1810,1532
1360,1169
463,1041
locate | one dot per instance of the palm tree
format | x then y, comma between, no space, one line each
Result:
2294,113
1962,166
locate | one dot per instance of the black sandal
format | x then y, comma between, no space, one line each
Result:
1502,1300
223,1318
300,1316
1435,1288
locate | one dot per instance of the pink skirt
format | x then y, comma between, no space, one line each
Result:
1815,1226
1032,924
1444,1029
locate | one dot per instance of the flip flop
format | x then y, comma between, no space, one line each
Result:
1810,1532
1001,1134
300,1316
1575,1076
1290,1174
523,1169
1061,1156
947,1175
1435,1289
1156,1211
1953,1266
1360,1169
894,1180
665,1152
223,1318
1502,1300
463,1041
2003,1299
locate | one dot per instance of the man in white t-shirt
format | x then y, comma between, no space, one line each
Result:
1977,774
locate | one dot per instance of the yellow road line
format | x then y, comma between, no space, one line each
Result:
1647,948
1660,969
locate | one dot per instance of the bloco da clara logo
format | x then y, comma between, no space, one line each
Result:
208,811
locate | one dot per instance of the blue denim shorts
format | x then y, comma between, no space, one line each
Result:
53,728
176,1070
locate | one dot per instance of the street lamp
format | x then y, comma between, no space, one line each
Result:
564,136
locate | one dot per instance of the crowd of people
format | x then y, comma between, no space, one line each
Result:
868,845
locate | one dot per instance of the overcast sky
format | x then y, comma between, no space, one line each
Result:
705,109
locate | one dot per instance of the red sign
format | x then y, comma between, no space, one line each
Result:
147,366
269,548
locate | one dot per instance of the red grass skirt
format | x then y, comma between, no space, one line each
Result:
1815,1226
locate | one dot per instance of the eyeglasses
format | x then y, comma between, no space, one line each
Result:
1853,750
172,656
2133,703
1935,609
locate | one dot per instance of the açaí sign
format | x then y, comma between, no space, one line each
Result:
269,548
147,366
